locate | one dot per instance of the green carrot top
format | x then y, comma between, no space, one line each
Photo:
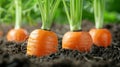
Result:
99,13
18,13
47,10
75,14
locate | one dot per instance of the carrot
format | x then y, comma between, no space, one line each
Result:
1,33
76,39
42,42
101,37
17,34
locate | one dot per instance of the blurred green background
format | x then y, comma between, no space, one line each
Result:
31,14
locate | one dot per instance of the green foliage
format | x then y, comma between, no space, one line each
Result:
111,14
29,11
6,10
47,10
31,14
74,13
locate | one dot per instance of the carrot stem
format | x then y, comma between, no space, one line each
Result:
99,13
47,9
18,13
75,14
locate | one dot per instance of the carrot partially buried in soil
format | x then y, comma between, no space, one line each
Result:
76,39
101,37
17,34
1,33
42,42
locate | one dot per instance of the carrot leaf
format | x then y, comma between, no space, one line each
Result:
47,9
18,13
74,15
99,13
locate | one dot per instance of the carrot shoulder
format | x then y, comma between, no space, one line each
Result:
101,37
42,43
17,35
80,41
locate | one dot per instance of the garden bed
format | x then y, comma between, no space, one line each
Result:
14,54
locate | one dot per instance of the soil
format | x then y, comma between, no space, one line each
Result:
14,54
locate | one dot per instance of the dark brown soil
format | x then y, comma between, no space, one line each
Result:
14,54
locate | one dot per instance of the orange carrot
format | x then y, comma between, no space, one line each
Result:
17,35
42,43
1,33
77,41
101,37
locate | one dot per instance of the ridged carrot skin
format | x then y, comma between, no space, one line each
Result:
17,35
101,37
42,43
80,41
